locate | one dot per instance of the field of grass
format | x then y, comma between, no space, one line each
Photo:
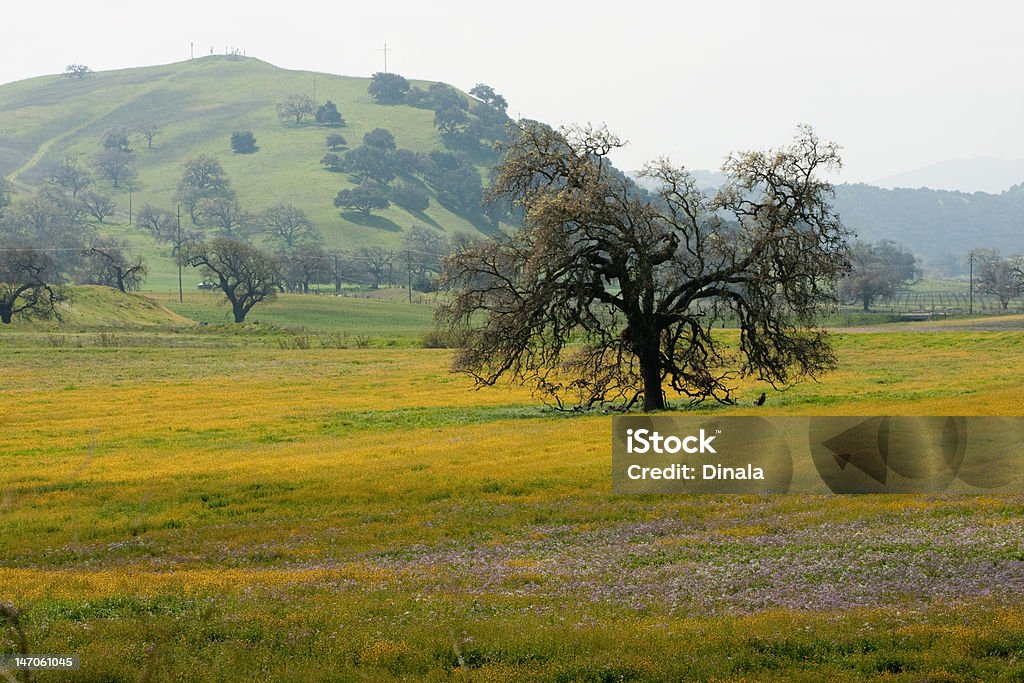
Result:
387,319
219,503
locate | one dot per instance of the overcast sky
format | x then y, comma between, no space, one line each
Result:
898,84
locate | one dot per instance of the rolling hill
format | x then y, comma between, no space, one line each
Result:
198,104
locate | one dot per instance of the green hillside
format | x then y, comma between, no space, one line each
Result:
94,306
198,104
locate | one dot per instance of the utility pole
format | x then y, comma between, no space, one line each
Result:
314,88
181,293
408,266
385,57
970,259
129,203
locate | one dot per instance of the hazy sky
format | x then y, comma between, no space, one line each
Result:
898,84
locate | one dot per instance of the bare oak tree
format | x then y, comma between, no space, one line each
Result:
296,107
149,131
289,226
28,286
245,274
98,205
606,294
999,276
109,266
877,269
227,215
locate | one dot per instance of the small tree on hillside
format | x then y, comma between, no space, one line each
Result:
203,178
77,71
244,273
370,162
410,197
107,265
243,142
327,114
115,165
116,138
98,205
363,198
69,175
388,88
333,162
296,107
488,96
289,226
149,131
164,226
336,140
381,138
227,215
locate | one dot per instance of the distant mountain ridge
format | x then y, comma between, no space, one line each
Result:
981,174
940,226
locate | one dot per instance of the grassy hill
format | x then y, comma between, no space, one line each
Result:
198,104
96,306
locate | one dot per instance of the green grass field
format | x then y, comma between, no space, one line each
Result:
218,502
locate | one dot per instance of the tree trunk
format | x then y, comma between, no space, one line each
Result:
650,369
5,315
239,310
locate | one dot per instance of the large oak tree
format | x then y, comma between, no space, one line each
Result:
608,294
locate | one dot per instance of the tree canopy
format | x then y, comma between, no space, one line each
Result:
999,276
296,107
388,88
203,178
877,270
243,142
606,294
108,265
28,286
327,114
363,198
289,226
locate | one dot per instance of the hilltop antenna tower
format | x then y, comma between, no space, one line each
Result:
385,57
